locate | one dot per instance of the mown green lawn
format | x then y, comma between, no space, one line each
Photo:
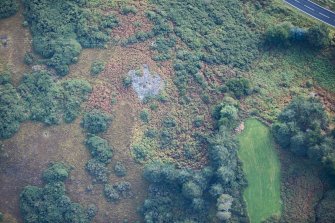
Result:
262,168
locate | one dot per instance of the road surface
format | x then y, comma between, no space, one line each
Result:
314,10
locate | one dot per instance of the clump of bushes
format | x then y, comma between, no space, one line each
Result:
95,122
97,67
8,8
34,201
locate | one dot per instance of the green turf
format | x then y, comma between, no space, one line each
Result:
262,168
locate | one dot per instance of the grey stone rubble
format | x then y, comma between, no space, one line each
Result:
146,84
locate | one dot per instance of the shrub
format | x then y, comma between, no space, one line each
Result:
8,8
140,153
97,67
198,121
55,173
99,149
120,170
98,170
95,122
28,58
111,194
127,81
169,122
318,36
127,9
144,116
91,211
239,87
278,34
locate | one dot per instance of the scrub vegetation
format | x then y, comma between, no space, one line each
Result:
238,125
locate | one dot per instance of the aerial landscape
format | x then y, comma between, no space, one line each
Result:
159,111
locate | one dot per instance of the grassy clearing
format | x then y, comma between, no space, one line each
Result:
261,166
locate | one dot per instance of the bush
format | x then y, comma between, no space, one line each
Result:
279,34
120,170
91,211
98,170
95,122
8,8
318,36
99,149
239,87
111,194
55,173
127,81
97,67
127,9
144,116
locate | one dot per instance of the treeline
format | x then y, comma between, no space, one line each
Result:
39,98
303,127
8,8
50,202
61,28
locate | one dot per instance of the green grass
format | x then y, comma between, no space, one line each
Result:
262,168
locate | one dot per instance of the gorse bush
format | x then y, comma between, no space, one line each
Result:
8,8
50,203
239,87
61,28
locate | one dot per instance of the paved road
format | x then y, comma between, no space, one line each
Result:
314,10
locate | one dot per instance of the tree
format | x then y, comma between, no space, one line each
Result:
223,205
318,36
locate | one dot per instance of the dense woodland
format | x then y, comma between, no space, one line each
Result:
191,36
